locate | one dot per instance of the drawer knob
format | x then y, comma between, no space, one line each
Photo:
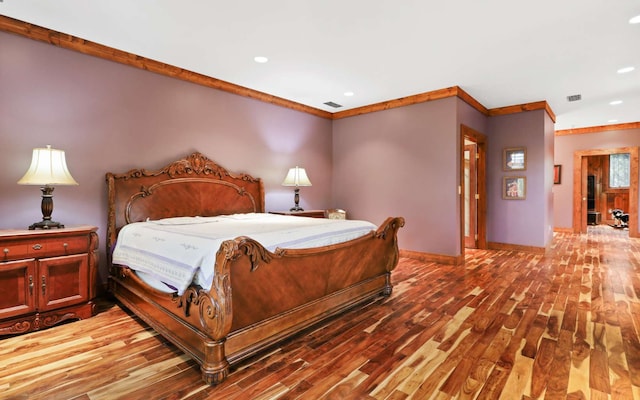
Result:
6,251
65,245
37,246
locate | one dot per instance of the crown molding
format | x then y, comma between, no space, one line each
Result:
444,93
539,105
108,53
453,91
598,129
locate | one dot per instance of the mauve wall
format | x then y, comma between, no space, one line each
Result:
402,162
405,161
565,147
525,222
111,117
471,117
549,150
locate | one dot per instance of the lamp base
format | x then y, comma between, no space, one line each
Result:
296,200
47,209
45,224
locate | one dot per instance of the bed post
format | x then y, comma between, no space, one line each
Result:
389,230
216,315
215,367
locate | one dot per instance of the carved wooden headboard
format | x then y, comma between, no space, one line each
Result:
192,186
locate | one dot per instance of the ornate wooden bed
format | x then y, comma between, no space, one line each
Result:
258,297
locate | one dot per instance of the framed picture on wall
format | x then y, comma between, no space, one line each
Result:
557,170
514,187
514,159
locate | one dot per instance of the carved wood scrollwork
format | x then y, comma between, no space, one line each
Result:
51,320
213,307
245,245
196,164
18,327
144,192
391,223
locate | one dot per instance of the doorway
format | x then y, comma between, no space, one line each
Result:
581,194
472,189
470,195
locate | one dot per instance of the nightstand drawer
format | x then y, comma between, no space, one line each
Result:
15,251
63,246
44,247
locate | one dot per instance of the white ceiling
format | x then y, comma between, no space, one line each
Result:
501,52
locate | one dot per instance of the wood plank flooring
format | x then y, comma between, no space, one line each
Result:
506,325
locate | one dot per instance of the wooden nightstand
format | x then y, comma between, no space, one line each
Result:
46,277
307,213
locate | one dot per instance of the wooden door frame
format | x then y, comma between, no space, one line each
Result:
481,141
580,187
472,240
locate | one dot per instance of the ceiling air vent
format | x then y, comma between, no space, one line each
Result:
574,97
332,104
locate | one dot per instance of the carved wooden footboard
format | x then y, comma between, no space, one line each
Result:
258,297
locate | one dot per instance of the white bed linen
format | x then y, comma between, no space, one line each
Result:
178,251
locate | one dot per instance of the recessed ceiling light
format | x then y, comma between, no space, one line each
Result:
625,70
616,102
260,59
635,20
348,94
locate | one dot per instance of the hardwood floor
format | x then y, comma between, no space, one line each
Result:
506,325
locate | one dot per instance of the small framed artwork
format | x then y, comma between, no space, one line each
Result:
514,187
514,159
557,170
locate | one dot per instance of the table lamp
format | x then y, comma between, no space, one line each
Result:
296,177
48,168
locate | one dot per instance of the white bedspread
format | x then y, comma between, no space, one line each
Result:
178,251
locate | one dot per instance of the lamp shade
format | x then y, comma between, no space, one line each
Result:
296,177
48,167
